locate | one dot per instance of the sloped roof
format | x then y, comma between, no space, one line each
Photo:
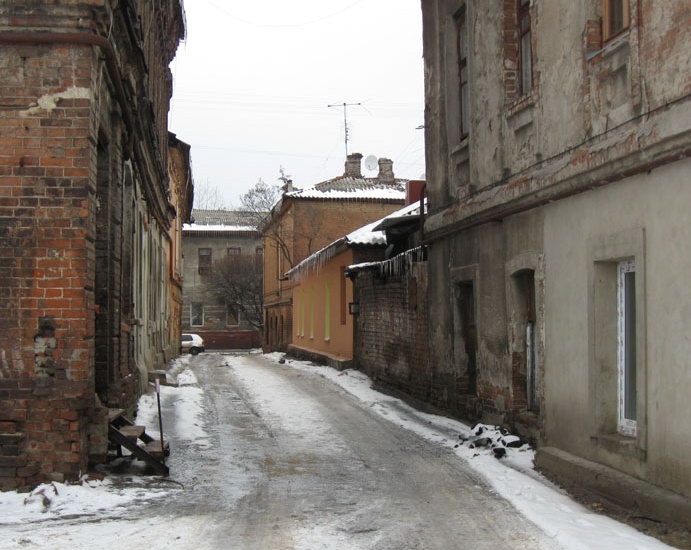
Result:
354,188
221,220
367,235
401,216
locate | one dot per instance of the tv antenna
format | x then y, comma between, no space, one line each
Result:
345,106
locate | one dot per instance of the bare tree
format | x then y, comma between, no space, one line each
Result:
259,201
237,280
208,197
263,201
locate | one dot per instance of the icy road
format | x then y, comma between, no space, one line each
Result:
268,456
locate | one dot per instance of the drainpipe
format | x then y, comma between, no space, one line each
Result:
423,192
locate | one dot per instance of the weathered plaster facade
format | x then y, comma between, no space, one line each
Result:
536,197
221,327
84,92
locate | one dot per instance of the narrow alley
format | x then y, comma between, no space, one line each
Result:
276,457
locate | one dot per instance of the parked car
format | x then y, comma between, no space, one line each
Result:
192,343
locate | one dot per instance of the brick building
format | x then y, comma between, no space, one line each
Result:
222,320
305,220
558,135
85,216
390,302
182,195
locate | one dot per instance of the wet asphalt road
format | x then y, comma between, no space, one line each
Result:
294,462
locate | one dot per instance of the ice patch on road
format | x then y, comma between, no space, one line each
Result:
571,525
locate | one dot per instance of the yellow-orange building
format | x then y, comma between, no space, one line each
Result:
322,297
306,220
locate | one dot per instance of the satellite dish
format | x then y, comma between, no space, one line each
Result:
371,162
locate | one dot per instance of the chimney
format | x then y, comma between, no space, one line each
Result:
287,186
386,171
352,165
413,191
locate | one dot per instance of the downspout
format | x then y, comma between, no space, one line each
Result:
423,192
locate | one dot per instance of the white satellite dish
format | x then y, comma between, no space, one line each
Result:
371,162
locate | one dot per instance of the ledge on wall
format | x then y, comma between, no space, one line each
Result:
338,363
633,494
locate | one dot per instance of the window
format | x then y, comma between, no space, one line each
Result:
524,342
197,314
234,251
327,312
232,315
626,353
260,251
204,261
302,313
343,311
462,57
615,17
466,309
525,48
311,312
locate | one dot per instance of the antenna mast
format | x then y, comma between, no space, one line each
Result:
345,106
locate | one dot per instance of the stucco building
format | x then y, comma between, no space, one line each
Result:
558,135
85,221
214,241
305,220
322,312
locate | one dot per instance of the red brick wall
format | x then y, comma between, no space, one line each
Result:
230,339
46,261
391,331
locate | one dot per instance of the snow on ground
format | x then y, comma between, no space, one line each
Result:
92,514
283,405
571,525
187,399
59,500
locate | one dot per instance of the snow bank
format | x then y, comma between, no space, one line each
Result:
187,401
57,500
571,525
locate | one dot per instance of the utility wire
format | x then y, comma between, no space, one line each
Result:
283,26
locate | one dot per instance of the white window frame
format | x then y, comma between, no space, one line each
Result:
626,426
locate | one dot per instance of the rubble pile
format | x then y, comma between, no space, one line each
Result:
494,438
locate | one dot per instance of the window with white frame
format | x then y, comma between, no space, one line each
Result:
626,353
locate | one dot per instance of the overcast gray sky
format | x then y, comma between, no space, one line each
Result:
253,81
